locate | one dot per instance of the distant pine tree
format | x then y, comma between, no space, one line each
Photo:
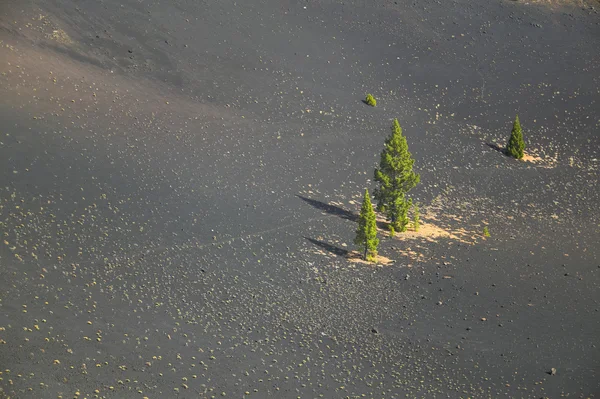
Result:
371,100
396,178
516,144
366,233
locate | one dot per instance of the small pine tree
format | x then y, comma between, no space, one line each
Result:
366,233
371,100
416,217
516,144
396,178
486,232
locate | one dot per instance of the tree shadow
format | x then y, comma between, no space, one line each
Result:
337,211
328,247
496,147
330,209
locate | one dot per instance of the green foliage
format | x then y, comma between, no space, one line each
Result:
371,100
402,206
366,233
416,217
486,232
371,256
396,178
516,144
392,230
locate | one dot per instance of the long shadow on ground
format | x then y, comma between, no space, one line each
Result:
330,209
496,147
337,211
328,247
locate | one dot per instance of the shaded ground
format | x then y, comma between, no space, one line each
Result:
180,179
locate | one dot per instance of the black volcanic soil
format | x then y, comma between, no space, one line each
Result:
178,183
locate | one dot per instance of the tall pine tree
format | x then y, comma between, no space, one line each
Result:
396,178
516,144
366,233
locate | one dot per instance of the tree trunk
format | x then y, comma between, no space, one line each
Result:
365,254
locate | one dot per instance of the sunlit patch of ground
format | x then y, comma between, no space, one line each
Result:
431,231
544,162
356,257
533,156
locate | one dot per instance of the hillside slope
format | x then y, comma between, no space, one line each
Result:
179,182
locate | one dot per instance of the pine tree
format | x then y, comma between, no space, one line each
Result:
396,178
516,144
366,233
416,217
402,206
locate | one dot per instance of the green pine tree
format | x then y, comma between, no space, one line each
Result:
396,178
416,217
366,233
402,206
516,144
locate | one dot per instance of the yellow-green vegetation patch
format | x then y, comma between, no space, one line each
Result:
370,100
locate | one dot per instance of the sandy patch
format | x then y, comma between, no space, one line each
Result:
356,257
429,230
432,233
429,233
535,158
